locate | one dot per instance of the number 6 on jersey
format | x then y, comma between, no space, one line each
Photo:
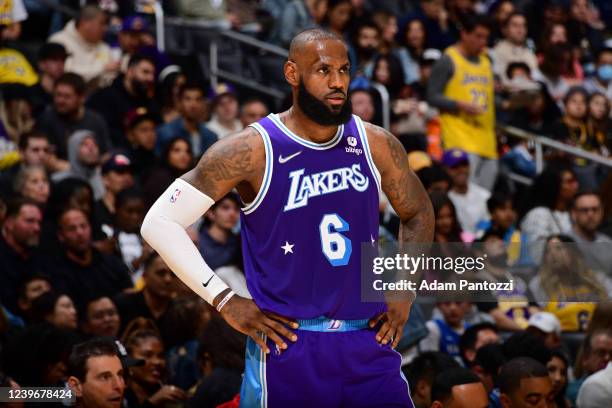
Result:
335,246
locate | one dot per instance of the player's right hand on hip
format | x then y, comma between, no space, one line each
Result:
244,315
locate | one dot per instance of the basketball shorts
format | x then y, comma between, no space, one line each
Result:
333,364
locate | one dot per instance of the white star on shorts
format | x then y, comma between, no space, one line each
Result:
287,248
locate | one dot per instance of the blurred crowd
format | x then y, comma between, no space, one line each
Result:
96,122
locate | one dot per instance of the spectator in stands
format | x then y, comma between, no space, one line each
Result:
20,238
220,355
362,103
448,228
224,120
435,179
486,364
101,318
141,134
34,150
130,212
146,387
469,198
566,286
15,120
189,125
474,338
32,182
435,18
133,90
171,80
501,10
82,271
84,159
557,371
596,355
546,207
298,15
421,373
467,109
602,81
410,54
458,387
513,47
595,391
524,382
117,174
387,25
446,330
584,26
599,123
69,114
337,16
176,160
547,327
252,110
364,49
218,243
153,301
187,317
587,216
51,60
388,72
29,289
134,28
56,309
83,38
96,375
537,116
556,61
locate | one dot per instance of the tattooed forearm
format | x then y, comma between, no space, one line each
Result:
226,163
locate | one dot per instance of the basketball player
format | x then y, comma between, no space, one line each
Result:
310,178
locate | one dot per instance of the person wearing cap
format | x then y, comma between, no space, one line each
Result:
117,174
469,198
83,38
546,326
462,88
140,130
96,374
224,119
130,37
190,125
68,114
51,61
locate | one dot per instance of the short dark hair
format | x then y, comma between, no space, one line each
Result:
511,16
490,358
44,305
517,65
526,344
498,200
470,21
73,80
127,194
442,387
190,86
222,345
583,193
82,352
470,335
26,280
427,366
25,138
433,174
14,205
515,370
138,58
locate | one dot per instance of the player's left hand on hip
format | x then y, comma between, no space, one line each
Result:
393,321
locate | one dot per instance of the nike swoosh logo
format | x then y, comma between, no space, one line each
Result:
282,159
207,282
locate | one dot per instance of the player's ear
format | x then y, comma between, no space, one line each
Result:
505,401
437,404
291,73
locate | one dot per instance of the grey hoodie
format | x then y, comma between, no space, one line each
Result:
77,169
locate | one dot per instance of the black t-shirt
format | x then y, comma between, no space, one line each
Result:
221,386
104,276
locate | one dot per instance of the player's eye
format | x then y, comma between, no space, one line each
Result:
323,70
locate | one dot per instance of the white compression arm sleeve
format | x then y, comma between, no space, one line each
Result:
164,229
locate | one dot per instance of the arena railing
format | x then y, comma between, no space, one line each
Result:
540,142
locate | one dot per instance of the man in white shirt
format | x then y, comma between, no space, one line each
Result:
470,199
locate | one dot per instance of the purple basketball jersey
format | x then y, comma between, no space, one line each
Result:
302,234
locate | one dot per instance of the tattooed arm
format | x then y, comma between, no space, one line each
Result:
411,203
237,161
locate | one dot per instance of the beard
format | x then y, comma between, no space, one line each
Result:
319,112
140,88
